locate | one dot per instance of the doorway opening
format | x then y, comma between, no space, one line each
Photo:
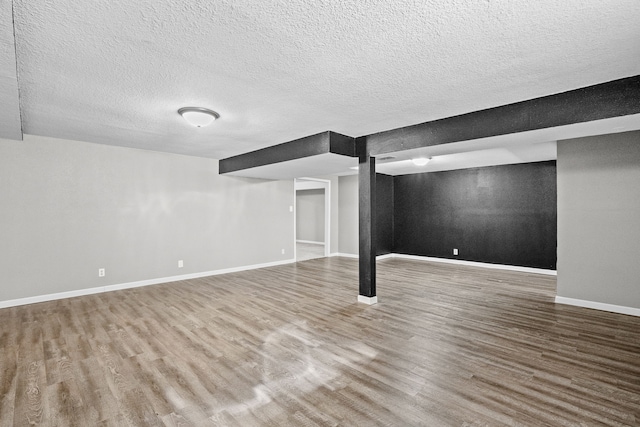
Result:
312,218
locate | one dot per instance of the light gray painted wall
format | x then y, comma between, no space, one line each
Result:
348,214
335,206
599,219
334,221
310,215
68,208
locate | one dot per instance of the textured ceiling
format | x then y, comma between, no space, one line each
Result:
10,126
116,71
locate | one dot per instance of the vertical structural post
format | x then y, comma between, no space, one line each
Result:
367,204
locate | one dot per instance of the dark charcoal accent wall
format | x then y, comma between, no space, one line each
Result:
384,214
499,214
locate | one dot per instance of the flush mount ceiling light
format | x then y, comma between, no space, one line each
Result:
198,116
421,161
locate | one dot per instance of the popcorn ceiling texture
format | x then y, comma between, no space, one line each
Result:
9,99
116,71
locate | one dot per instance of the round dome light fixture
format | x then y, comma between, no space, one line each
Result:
198,116
421,161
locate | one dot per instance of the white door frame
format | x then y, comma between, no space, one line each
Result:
318,183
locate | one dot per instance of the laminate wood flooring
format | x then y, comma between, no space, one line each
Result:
289,346
305,251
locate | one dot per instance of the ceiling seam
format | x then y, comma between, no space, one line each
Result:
15,54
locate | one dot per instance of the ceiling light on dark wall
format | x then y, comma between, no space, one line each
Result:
198,116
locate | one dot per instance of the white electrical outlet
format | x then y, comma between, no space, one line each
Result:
180,263
290,208
455,252
101,272
283,252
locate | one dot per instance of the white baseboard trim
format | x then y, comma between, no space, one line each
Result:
345,255
367,300
50,297
378,258
598,306
459,262
311,242
480,264
117,287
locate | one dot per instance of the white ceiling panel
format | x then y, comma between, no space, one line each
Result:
474,159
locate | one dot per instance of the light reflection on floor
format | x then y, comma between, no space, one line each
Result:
295,362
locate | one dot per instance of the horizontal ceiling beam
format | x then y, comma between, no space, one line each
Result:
602,101
608,100
314,145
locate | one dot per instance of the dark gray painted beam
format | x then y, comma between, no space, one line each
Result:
602,101
367,229
342,144
322,143
296,149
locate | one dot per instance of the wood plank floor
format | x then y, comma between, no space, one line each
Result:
306,251
288,346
